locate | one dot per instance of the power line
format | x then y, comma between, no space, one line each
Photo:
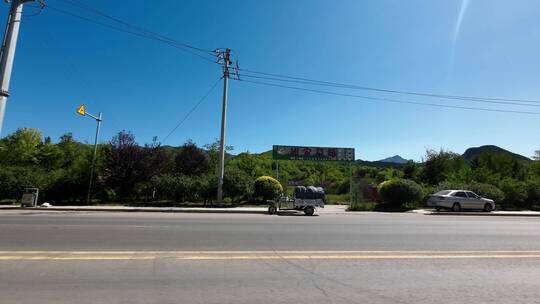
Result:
139,31
143,35
39,7
345,87
351,86
192,110
374,99
88,7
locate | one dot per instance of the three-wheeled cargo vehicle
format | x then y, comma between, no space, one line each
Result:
305,199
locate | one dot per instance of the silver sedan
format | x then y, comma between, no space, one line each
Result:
458,200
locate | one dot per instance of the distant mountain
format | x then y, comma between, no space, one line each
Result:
490,149
379,164
396,159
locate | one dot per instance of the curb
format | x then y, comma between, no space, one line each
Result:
483,214
263,211
217,210
202,211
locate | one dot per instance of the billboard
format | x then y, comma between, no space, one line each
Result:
313,153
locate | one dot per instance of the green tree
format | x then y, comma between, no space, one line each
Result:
49,156
236,184
213,151
21,147
192,160
409,170
156,160
535,170
439,165
124,165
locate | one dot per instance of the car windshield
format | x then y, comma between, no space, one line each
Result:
444,192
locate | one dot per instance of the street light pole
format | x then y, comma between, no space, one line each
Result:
7,54
89,195
81,110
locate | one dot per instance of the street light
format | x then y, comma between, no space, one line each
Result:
82,111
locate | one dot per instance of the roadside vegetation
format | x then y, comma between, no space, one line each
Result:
154,175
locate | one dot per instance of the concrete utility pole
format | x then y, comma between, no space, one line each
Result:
7,54
226,61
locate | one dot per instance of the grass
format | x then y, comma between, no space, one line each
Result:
7,202
337,199
382,207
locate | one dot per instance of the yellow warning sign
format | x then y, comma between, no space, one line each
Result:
81,110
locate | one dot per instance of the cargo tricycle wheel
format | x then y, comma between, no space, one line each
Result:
309,210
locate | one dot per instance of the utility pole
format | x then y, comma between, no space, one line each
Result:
226,56
7,54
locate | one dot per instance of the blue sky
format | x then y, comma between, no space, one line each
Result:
146,87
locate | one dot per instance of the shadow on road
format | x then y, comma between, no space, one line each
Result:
292,213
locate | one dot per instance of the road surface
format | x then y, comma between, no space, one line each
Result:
64,257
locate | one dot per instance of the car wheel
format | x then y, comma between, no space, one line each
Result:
272,210
438,209
456,207
309,210
488,208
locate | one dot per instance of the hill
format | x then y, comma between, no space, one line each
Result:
396,159
490,149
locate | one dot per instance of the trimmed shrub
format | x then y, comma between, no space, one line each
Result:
267,187
398,192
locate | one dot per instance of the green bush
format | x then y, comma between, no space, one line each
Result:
267,188
515,194
488,191
399,192
178,188
533,194
13,180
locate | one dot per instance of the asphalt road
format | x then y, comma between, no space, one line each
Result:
50,257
